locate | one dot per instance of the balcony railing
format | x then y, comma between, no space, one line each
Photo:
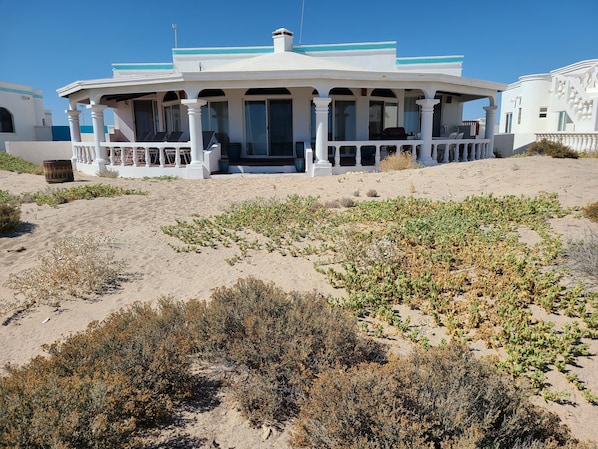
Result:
581,142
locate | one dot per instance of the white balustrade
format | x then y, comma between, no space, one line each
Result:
462,149
580,142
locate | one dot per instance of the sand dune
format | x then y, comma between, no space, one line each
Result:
133,222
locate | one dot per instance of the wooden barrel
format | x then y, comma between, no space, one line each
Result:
60,170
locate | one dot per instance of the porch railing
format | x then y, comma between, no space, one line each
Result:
580,142
137,154
139,159
348,155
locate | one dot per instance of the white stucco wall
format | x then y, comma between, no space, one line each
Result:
37,152
26,107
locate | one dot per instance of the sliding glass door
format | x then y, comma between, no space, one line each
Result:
269,127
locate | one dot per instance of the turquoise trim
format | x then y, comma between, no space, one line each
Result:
222,51
38,96
158,66
429,60
345,47
19,91
88,129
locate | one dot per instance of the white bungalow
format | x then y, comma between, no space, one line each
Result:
343,107
560,106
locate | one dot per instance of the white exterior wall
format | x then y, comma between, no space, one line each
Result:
452,113
26,106
572,89
535,94
124,122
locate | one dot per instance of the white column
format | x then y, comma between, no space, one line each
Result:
197,168
97,118
74,124
74,129
195,129
322,166
427,106
490,123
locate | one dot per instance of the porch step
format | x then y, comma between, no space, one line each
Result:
266,161
240,168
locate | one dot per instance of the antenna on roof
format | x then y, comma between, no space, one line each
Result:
301,26
176,43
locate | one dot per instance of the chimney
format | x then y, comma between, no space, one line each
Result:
283,40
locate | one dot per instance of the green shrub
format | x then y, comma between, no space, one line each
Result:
18,164
75,267
441,397
10,212
280,342
100,386
54,197
553,149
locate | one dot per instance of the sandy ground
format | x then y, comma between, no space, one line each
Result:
134,222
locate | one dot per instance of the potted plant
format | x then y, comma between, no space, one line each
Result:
299,157
223,164
234,152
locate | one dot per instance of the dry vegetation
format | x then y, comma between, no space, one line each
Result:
75,267
398,161
290,355
300,358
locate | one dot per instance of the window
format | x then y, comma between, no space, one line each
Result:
6,122
383,115
564,120
214,117
411,115
146,119
508,122
519,116
172,112
543,112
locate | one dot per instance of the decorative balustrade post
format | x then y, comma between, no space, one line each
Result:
322,166
427,107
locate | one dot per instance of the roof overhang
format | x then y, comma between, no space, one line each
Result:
225,78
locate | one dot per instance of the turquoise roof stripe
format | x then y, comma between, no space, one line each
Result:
19,91
222,51
159,66
38,96
429,60
345,47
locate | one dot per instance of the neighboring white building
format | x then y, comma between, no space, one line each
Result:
22,115
560,106
333,100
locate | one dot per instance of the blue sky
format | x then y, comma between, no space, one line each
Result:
49,44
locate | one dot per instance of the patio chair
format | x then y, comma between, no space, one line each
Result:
394,133
170,153
154,152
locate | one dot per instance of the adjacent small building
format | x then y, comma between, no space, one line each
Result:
560,106
22,115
